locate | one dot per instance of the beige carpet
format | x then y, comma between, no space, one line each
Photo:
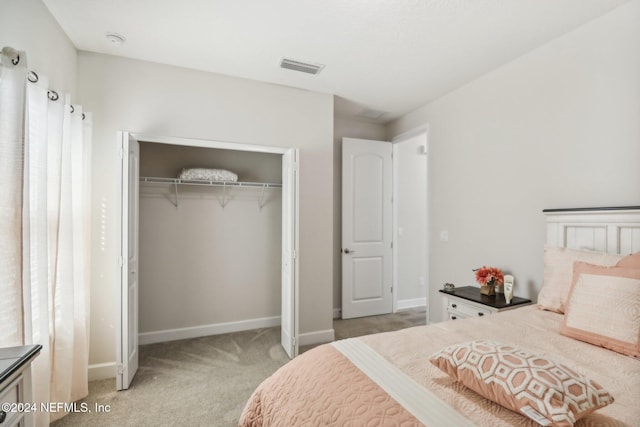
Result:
206,381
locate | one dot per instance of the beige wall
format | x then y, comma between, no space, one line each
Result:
164,100
345,127
194,256
556,128
27,25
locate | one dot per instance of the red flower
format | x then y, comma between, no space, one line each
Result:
489,276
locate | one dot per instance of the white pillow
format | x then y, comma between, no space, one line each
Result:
558,274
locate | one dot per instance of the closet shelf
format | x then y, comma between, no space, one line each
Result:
230,184
224,184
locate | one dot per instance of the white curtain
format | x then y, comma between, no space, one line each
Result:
48,161
12,101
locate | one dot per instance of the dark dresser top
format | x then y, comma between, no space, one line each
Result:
14,358
472,293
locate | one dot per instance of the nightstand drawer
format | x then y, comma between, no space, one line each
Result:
454,315
12,394
466,310
468,302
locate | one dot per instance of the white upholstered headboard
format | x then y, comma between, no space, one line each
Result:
612,230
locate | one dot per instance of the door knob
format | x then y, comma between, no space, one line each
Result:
347,251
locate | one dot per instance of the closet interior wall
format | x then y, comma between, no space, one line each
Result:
213,257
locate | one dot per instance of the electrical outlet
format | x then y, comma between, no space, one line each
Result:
444,236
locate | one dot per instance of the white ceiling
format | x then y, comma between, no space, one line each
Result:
386,55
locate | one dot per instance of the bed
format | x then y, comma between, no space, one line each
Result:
410,377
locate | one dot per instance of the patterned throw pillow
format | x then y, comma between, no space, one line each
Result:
547,392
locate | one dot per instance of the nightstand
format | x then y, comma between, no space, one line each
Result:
15,385
467,301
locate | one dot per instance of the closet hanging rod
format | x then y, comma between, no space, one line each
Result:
239,184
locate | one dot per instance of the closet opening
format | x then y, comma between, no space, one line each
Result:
203,254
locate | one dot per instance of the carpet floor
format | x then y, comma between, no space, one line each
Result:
206,381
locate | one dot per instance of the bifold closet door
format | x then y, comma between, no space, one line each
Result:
127,345
289,315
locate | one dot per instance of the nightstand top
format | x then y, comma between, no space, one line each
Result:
498,301
13,358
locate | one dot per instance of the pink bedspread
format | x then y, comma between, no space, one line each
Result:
322,388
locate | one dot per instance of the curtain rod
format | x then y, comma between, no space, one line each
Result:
32,77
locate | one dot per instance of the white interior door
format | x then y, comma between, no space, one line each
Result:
289,315
127,353
366,228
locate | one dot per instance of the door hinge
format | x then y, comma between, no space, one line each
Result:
121,152
119,369
120,261
294,254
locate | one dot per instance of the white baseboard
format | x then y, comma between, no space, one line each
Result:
317,337
205,330
410,303
404,304
102,371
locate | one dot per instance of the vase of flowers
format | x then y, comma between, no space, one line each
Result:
489,278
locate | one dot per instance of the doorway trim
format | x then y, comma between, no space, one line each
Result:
294,220
399,139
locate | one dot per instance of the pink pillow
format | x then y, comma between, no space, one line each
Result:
630,261
604,308
539,388
558,273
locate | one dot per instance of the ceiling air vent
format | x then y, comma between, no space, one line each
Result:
304,67
371,114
